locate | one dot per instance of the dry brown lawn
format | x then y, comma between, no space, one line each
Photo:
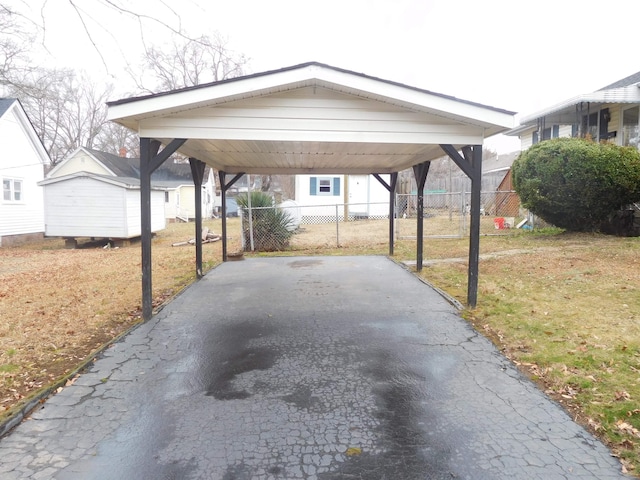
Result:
58,306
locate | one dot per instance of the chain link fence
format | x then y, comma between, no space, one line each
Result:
293,226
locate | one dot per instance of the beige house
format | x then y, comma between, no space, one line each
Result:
611,113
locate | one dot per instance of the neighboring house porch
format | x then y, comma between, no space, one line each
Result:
611,113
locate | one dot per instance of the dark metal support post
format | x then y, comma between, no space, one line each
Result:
150,160
148,149
471,165
197,173
223,189
223,194
474,154
420,171
391,187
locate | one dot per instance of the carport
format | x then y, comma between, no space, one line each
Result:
309,118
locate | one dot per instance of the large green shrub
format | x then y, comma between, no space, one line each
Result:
271,225
577,184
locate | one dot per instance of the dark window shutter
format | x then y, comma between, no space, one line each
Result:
336,186
313,186
604,124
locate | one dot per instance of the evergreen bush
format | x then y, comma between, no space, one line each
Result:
577,184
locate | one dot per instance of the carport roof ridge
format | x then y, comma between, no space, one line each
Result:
297,67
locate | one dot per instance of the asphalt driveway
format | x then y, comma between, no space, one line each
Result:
304,368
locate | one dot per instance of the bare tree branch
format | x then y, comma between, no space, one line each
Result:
186,63
88,33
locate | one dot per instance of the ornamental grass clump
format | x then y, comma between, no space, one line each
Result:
271,226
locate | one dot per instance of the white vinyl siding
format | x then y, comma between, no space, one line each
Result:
22,165
86,207
365,195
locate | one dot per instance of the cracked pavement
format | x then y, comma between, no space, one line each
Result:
303,368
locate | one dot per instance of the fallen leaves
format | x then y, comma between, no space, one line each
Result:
627,428
622,395
353,451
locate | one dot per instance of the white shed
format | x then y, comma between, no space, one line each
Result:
86,204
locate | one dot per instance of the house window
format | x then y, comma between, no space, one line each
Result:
166,197
631,127
11,190
547,133
324,186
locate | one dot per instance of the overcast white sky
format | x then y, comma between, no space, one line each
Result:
516,55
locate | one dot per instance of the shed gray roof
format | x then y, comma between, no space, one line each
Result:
168,174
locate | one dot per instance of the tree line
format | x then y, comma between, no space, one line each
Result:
68,108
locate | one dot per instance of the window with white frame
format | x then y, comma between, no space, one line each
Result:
12,190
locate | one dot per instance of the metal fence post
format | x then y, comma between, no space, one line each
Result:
337,228
463,216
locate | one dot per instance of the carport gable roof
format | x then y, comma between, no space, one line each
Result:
310,118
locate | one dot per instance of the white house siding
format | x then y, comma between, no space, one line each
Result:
86,207
365,196
20,161
132,212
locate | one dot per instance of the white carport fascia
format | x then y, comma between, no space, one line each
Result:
130,113
462,135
